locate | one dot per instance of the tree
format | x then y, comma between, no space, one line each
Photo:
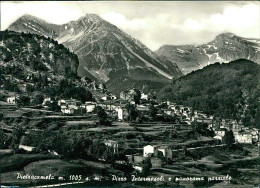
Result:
38,99
4,140
70,90
132,112
137,96
102,116
1,116
109,155
45,80
147,165
54,106
16,137
152,112
200,126
29,88
228,138
210,132
24,100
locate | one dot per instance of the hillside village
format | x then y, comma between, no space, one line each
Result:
53,121
137,113
134,106
116,108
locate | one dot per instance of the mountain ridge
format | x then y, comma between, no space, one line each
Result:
26,59
105,51
224,48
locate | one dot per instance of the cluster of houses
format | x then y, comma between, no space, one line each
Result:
116,107
241,133
76,107
157,150
107,101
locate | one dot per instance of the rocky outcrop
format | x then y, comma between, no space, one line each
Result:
37,53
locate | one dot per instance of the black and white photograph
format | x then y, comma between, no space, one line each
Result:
129,94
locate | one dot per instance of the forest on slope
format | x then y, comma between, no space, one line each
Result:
227,90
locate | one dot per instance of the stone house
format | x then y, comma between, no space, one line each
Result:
11,100
72,109
255,135
128,95
113,97
120,114
143,109
47,101
144,96
243,137
218,137
156,151
169,112
149,150
220,132
89,106
166,151
26,148
138,167
113,144
69,102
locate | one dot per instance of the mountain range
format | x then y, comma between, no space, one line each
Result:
225,47
105,52
109,55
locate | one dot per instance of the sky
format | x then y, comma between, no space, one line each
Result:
154,23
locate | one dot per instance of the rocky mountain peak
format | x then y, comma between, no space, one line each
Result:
227,37
224,48
93,17
224,35
30,18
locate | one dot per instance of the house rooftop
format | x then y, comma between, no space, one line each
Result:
166,109
109,141
163,147
144,108
221,129
245,133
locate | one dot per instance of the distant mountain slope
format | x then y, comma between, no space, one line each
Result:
34,25
36,53
104,51
123,83
228,90
226,47
31,63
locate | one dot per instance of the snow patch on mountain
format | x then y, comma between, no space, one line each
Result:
70,37
253,40
257,48
181,51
